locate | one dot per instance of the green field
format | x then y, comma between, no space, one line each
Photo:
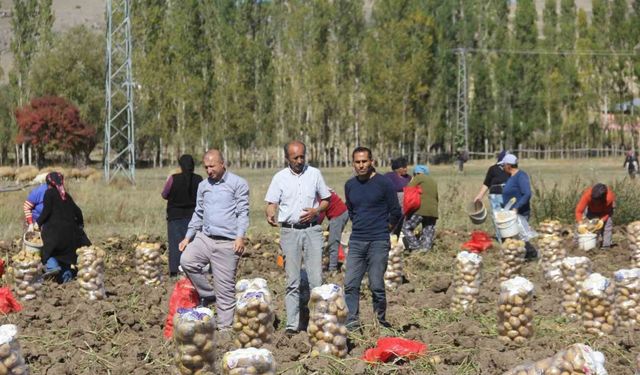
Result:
123,209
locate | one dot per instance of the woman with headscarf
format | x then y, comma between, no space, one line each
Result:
62,225
399,179
180,191
427,214
494,181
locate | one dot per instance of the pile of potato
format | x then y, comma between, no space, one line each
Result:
11,359
627,296
193,336
512,254
515,315
254,316
574,271
466,281
633,236
148,260
550,227
395,270
26,270
91,272
248,362
597,305
551,255
576,359
328,313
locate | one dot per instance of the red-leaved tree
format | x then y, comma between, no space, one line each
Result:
53,124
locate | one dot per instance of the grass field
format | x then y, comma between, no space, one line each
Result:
123,209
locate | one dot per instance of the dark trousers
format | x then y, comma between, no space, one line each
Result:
177,229
370,257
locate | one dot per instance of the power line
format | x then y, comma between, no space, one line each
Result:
544,52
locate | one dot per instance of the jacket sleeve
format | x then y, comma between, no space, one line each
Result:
525,188
195,225
77,212
167,187
394,206
582,204
611,204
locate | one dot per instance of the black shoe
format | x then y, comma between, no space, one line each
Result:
353,326
385,324
290,332
207,301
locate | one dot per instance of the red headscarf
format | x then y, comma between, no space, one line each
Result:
56,180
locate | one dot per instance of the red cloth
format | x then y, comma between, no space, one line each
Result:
341,255
8,302
184,295
600,208
480,241
389,348
1,267
411,199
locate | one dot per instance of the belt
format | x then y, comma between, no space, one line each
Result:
299,226
221,238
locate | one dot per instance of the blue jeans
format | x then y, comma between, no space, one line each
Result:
336,226
370,257
496,204
176,230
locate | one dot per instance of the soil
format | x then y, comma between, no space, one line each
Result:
61,333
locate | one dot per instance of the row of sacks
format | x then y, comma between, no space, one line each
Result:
37,176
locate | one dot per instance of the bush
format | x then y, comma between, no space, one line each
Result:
559,202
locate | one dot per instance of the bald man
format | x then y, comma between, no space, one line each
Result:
216,237
292,194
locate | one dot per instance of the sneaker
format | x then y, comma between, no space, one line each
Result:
207,301
289,332
353,326
51,273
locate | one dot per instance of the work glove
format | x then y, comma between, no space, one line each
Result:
36,227
30,228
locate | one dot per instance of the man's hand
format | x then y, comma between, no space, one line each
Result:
308,214
183,244
30,228
477,199
238,246
271,215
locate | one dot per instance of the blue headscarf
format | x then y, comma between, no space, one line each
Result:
421,168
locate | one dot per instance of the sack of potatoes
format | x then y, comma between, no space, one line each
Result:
574,271
11,359
148,260
327,315
515,313
257,285
466,281
395,270
26,271
91,272
512,254
576,359
253,319
193,337
627,296
551,255
249,361
597,305
633,236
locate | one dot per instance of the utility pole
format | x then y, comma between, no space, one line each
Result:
119,134
462,117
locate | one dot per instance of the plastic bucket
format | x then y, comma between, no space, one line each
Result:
477,212
507,223
31,246
587,241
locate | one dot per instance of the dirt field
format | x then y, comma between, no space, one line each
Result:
61,334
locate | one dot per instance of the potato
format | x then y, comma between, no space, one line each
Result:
567,362
512,254
466,281
633,229
551,255
193,337
248,361
627,296
574,271
515,316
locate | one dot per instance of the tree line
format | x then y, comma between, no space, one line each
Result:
246,76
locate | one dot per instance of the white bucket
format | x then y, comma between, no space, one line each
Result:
587,241
507,223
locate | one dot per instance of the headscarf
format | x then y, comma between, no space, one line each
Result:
187,166
421,168
501,155
56,180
